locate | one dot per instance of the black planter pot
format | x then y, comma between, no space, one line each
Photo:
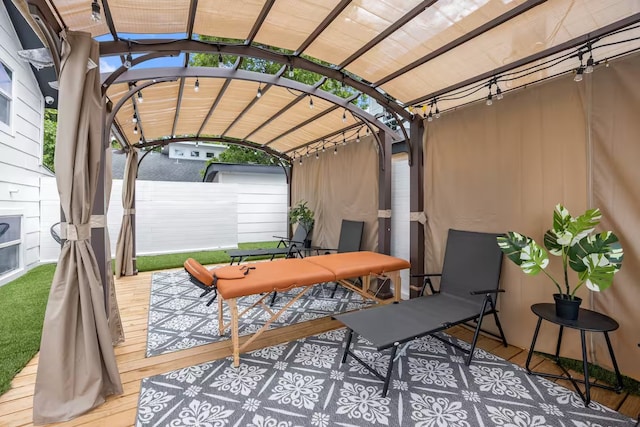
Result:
567,308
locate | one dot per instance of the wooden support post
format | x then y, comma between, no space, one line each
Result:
384,205
416,201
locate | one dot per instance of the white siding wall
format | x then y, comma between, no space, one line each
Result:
180,217
21,148
400,232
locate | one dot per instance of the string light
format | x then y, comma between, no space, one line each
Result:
135,118
95,11
344,116
344,140
310,102
335,150
259,93
140,98
358,137
489,99
128,61
196,86
220,60
290,73
579,70
135,130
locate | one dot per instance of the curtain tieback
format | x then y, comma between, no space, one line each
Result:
418,216
130,211
77,231
384,213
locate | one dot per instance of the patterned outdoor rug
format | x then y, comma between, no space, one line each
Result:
180,319
302,383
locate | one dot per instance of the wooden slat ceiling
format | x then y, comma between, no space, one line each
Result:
410,51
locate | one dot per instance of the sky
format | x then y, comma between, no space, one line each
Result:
108,64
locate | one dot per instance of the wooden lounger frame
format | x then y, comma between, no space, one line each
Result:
394,276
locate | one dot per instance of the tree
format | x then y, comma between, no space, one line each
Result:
49,143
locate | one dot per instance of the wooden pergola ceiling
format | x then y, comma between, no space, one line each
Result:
409,55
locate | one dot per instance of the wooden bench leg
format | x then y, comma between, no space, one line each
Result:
220,319
233,309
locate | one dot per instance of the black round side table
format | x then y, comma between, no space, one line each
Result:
588,320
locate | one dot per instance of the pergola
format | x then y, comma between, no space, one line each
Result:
417,59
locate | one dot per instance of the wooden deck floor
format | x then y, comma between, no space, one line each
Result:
133,297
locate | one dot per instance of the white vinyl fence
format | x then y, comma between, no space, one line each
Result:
176,217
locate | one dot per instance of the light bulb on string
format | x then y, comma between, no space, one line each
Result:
196,86
140,98
135,130
310,102
95,11
259,93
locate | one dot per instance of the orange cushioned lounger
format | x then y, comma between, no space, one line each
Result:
362,264
284,274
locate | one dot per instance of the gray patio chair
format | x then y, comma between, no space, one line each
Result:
350,241
468,286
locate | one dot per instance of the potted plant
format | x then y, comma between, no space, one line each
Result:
303,216
595,258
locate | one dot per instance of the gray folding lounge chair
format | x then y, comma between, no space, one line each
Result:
468,286
286,247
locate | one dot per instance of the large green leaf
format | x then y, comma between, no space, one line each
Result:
524,252
599,272
605,243
567,231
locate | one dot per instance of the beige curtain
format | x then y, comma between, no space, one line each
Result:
115,323
615,132
504,167
124,247
340,186
77,367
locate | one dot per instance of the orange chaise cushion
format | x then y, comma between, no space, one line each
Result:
355,264
277,275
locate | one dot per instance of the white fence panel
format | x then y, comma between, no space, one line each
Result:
262,212
176,217
400,237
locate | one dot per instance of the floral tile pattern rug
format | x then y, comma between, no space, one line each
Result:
303,383
180,319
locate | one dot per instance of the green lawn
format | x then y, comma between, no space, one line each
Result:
22,305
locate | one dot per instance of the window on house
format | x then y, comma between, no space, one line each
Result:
211,155
6,96
195,154
10,241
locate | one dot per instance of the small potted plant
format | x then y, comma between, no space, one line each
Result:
303,216
595,258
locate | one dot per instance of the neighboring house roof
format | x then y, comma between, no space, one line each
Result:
159,167
214,168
